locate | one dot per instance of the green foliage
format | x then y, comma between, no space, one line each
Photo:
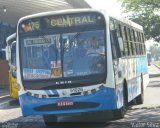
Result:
145,13
157,63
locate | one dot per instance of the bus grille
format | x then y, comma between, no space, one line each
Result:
76,105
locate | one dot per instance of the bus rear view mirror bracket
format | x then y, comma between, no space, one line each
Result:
117,42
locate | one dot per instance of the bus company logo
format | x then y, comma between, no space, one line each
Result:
65,103
64,82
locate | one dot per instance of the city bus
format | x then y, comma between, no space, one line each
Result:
11,57
79,62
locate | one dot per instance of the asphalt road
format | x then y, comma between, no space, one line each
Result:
145,116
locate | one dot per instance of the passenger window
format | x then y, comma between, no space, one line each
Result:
112,27
129,42
125,41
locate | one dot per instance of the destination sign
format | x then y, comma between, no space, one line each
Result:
38,41
60,21
69,21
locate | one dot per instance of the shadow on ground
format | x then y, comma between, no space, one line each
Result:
132,116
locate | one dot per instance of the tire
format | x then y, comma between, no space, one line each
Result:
140,98
119,114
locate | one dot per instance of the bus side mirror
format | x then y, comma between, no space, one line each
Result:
118,42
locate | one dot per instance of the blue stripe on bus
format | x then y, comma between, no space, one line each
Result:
142,66
51,92
134,89
106,98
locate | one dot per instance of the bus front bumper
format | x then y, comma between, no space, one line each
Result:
102,100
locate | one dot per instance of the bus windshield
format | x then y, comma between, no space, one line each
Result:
67,47
78,54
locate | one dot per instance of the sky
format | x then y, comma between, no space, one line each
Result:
111,6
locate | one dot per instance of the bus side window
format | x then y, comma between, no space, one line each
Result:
13,56
133,42
137,44
143,46
114,34
119,34
112,27
125,41
140,43
129,42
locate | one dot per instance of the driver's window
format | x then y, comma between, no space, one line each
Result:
13,59
13,54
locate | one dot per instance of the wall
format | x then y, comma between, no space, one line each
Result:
5,31
3,73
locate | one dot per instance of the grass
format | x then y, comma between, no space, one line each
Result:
157,63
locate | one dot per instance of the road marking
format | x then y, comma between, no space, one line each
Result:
5,104
4,96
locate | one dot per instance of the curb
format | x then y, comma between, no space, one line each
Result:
144,107
4,96
156,65
154,75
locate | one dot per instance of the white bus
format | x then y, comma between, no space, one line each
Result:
79,61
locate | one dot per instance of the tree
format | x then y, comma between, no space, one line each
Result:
145,13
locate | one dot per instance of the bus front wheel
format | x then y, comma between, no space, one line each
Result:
119,113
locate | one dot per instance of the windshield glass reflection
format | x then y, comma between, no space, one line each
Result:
64,55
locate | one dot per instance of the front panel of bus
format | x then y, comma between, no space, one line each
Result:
63,64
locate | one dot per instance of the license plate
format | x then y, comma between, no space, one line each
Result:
76,90
65,103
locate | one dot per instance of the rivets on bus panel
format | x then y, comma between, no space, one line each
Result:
93,90
29,93
85,93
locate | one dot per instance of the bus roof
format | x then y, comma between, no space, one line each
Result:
68,11
124,20
128,22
